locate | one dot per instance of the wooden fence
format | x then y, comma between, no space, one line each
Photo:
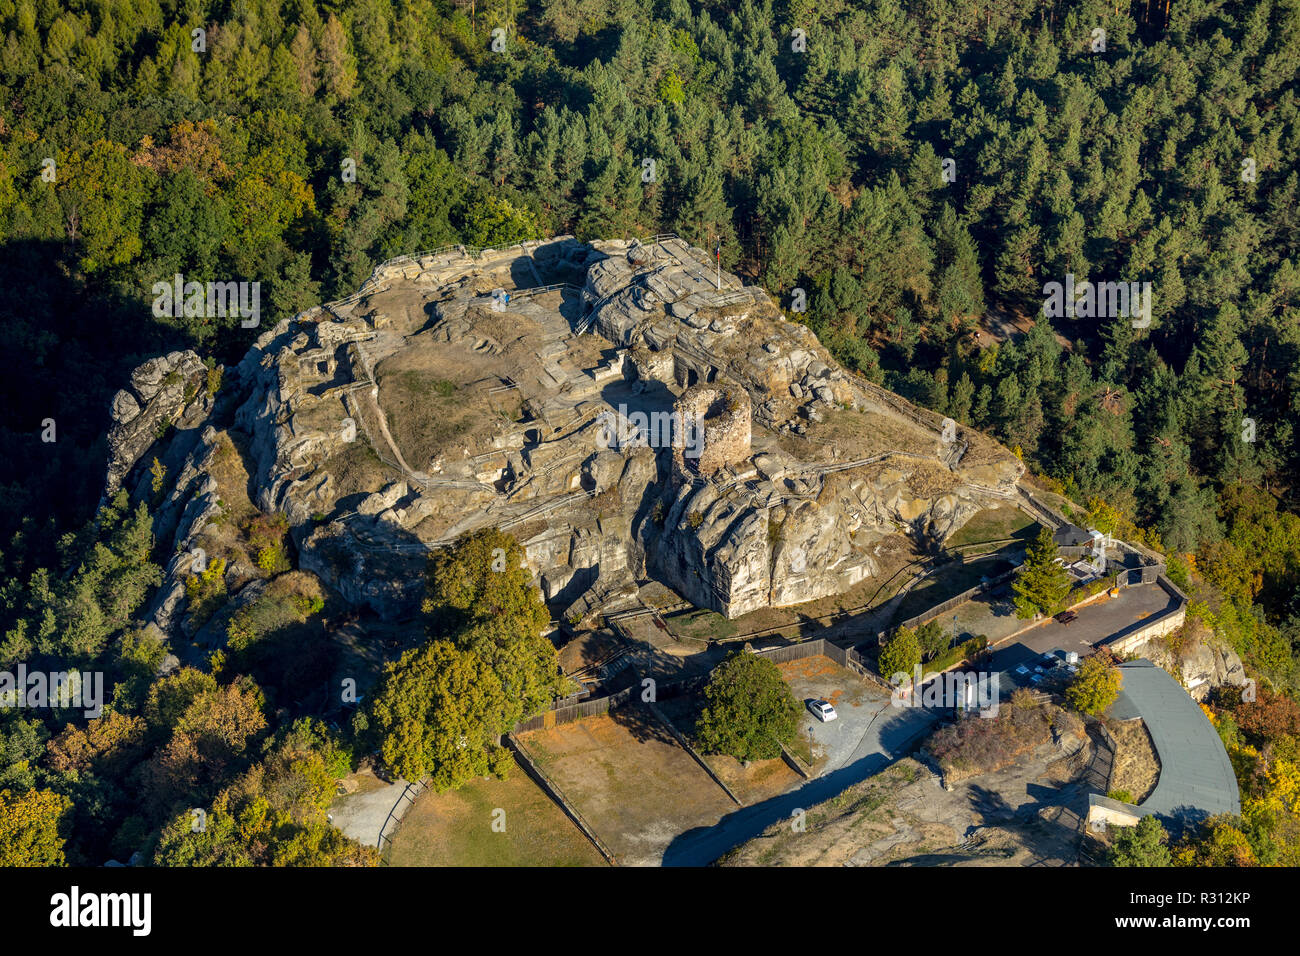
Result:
552,790
844,656
568,713
952,602
565,712
395,815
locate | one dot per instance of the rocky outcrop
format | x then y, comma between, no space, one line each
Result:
1208,667
161,391
1199,661
426,405
180,520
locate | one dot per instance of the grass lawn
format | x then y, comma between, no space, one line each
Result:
702,624
455,828
993,524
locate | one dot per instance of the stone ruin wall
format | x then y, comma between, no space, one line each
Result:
727,430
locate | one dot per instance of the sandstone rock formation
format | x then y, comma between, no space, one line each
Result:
1199,660
539,389
162,390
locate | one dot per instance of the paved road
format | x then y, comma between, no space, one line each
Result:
890,735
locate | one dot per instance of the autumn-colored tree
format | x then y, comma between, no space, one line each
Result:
209,740
438,712
172,695
1095,685
338,65
272,815
110,742
31,825
190,145
480,577
1268,716
1221,841
480,596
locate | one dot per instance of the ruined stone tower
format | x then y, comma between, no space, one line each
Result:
716,417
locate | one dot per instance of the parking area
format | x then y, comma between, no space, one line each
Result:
1098,623
857,705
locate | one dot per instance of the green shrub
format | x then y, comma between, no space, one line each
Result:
900,655
266,538
158,481
273,559
966,651
501,761
1143,845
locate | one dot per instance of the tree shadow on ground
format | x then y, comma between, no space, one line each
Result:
70,346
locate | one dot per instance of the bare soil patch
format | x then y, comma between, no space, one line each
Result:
1137,768
632,782
435,397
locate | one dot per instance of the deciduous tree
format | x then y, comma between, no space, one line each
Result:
750,712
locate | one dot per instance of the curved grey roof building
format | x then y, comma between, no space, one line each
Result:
1196,777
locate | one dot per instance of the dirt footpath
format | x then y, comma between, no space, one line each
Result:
361,812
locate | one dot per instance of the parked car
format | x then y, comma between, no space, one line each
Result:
822,710
1067,617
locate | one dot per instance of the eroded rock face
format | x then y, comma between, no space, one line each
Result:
427,405
179,521
1201,666
162,391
